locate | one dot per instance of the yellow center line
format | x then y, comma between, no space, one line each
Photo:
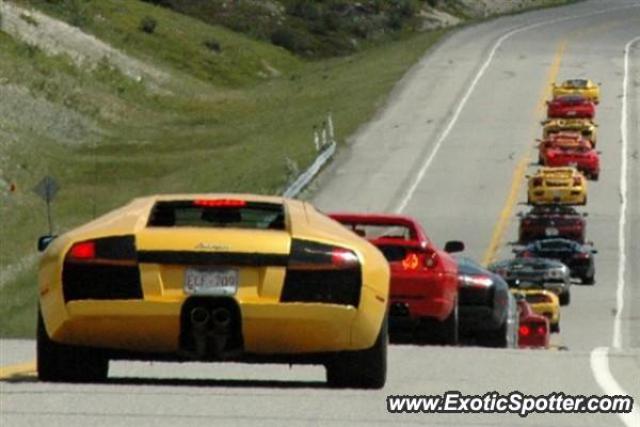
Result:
521,168
6,372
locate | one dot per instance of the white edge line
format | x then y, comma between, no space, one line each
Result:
600,366
622,254
454,118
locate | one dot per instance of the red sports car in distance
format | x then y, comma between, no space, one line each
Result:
424,278
577,153
533,331
548,221
564,139
571,107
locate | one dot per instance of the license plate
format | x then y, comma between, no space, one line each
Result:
571,113
551,231
211,281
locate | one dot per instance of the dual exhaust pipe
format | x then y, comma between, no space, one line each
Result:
210,329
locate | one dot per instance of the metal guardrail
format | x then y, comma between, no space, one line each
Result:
325,144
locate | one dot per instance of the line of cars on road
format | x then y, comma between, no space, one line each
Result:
260,279
552,249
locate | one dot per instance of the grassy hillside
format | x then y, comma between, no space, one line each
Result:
224,121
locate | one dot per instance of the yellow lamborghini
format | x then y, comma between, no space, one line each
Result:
544,303
213,277
552,185
585,127
584,87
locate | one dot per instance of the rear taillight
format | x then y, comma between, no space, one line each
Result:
321,273
411,261
581,255
102,269
577,181
82,251
537,182
430,258
524,330
540,329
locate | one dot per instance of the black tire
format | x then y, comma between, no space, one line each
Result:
66,363
565,298
497,338
554,327
585,201
449,330
364,369
540,160
595,176
588,280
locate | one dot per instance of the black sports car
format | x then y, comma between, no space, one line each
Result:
546,273
552,221
487,311
576,256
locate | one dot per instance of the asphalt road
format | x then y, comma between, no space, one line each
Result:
446,149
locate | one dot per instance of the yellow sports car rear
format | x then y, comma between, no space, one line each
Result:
584,87
552,185
586,127
213,277
544,303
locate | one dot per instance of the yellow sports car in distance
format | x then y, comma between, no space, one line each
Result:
584,87
587,128
552,185
213,277
544,303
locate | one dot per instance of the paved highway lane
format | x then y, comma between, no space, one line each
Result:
477,100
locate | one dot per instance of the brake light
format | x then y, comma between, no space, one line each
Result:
524,330
581,255
343,258
411,261
541,330
577,181
83,250
219,203
537,182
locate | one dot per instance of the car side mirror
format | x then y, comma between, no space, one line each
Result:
585,213
599,152
527,176
454,246
594,251
44,242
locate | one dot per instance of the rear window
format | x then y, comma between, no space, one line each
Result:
218,213
381,231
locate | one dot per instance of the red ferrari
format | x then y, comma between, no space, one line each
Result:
571,107
578,153
424,278
533,331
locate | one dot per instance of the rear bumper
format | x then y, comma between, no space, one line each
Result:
531,233
559,195
268,328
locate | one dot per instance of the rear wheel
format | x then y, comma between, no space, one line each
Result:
365,369
595,176
66,363
448,332
498,338
589,280
565,298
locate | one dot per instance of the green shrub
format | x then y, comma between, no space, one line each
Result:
148,24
